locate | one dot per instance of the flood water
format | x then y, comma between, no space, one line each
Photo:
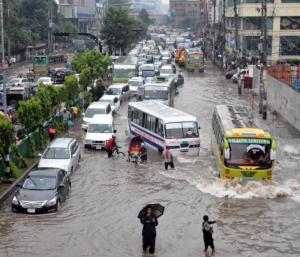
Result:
100,216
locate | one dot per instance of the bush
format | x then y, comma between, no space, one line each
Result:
21,162
14,170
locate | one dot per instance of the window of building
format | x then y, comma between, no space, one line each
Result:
290,1
254,23
289,23
251,45
290,45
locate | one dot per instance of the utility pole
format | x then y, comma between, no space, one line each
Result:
3,57
236,19
263,60
224,28
213,31
8,32
50,25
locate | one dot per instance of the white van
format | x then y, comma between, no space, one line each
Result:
112,100
93,109
100,130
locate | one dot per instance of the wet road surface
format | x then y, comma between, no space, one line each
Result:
100,216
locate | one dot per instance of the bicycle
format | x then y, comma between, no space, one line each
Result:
118,154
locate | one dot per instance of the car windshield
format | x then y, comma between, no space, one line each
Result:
113,91
182,130
44,80
39,183
100,128
123,73
249,151
57,153
166,71
90,112
13,81
156,94
148,73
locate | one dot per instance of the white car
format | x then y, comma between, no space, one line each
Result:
112,100
93,109
100,130
134,83
120,90
45,80
62,153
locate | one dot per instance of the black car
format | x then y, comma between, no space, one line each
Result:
42,191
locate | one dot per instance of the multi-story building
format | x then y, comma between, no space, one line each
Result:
87,14
283,24
187,13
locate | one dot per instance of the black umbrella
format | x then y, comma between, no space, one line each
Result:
157,210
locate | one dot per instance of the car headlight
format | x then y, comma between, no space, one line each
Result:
52,201
15,201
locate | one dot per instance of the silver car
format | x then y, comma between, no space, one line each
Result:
63,153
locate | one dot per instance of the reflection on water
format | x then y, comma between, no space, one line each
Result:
100,216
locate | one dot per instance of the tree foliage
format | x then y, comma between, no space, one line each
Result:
27,22
6,136
71,88
30,114
144,16
119,30
45,99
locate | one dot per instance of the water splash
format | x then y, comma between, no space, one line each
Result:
241,189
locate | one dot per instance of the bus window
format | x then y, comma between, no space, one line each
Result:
130,113
141,119
190,129
153,124
174,130
136,116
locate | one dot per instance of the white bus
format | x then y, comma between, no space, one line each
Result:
160,125
162,89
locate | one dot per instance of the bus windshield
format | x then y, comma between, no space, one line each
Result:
182,130
156,94
123,73
249,151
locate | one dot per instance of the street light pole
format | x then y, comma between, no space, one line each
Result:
263,60
3,57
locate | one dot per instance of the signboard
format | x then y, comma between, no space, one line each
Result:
249,141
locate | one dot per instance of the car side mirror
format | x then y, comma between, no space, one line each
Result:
62,186
199,127
19,185
115,131
227,154
116,100
273,155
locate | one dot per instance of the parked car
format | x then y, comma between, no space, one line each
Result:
112,100
93,109
100,130
45,80
134,83
42,191
62,153
120,90
17,82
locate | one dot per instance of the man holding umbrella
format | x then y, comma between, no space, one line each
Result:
148,216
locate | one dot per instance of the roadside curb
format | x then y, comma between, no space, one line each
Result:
12,187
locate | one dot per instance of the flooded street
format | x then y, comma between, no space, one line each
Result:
100,216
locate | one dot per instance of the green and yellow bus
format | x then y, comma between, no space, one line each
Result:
194,59
124,68
40,64
241,149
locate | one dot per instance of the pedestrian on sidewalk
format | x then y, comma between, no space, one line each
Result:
168,158
66,117
207,230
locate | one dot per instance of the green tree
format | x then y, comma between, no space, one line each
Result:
30,114
86,78
45,99
71,89
116,28
144,16
6,136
